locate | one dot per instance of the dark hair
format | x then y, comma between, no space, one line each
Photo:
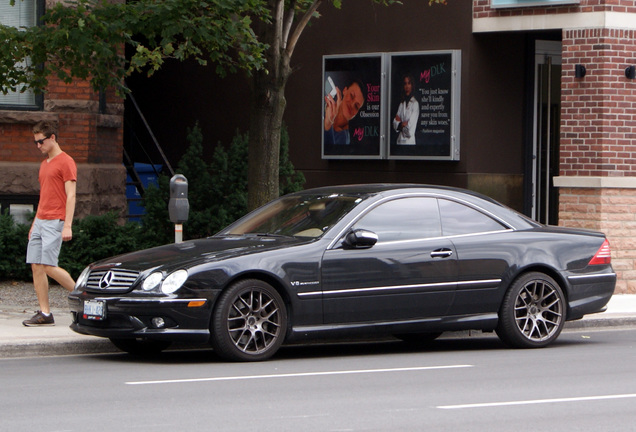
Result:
355,80
46,128
413,83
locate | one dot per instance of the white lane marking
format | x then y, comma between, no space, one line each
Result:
300,374
539,401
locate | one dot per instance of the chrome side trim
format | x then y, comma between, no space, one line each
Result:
463,320
479,282
449,285
592,276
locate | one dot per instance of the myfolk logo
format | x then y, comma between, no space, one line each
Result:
106,280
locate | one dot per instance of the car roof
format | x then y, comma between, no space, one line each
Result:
376,188
513,217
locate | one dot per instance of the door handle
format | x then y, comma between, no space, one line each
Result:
441,253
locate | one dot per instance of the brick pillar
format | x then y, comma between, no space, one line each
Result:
597,178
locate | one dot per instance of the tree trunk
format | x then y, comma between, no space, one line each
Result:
267,105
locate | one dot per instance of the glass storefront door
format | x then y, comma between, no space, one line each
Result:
547,109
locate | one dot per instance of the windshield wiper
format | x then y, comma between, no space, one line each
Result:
266,235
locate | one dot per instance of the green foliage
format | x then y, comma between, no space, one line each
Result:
13,243
290,180
156,221
85,39
98,237
217,192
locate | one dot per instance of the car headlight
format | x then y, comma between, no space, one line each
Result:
174,281
81,280
152,281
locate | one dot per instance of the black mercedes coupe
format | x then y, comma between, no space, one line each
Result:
410,261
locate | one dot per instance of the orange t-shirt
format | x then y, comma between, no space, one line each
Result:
53,175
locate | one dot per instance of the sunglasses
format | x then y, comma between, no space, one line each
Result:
41,141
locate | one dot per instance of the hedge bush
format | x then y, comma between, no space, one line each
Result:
13,244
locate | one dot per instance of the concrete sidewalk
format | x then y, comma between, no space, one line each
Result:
17,340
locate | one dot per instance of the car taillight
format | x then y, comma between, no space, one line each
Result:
603,255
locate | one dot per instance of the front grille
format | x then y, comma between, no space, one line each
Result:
111,280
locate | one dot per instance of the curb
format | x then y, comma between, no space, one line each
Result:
56,348
590,323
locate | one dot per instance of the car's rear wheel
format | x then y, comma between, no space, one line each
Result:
140,346
532,314
249,321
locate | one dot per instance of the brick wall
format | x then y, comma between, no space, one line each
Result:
16,142
482,9
598,111
84,133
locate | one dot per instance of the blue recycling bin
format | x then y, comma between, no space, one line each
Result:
148,175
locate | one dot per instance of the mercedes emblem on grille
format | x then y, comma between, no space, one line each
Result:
105,281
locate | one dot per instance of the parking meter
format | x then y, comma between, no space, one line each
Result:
178,206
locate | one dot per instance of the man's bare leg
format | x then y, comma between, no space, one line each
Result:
41,285
61,276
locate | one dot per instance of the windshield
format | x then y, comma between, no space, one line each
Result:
295,215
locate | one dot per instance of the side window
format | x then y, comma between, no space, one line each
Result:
403,219
22,14
460,219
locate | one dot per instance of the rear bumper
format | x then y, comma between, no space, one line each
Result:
589,294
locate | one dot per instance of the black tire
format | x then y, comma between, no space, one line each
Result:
249,322
533,311
418,338
140,347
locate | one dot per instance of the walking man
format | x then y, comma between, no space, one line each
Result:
53,221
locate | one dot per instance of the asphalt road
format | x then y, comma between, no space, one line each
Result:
586,381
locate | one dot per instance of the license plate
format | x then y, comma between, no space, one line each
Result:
94,309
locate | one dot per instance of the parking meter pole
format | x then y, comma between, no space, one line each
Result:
178,206
178,233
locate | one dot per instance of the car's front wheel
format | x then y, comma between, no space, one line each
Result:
249,321
532,314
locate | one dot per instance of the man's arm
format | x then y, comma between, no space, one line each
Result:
67,231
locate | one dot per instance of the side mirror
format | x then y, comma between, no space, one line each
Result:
360,239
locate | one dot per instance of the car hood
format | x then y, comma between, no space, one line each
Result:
195,252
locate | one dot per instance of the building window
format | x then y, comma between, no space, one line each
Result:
20,207
23,14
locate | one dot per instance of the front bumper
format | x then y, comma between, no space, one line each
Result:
184,320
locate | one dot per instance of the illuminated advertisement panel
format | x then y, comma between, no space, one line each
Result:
424,105
352,102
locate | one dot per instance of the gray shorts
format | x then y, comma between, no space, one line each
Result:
45,242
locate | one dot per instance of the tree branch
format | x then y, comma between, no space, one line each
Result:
289,20
277,43
293,39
